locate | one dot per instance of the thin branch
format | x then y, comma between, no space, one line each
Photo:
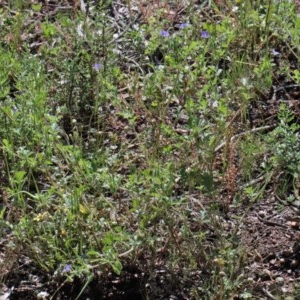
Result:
263,128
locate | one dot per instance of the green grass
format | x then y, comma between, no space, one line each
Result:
108,143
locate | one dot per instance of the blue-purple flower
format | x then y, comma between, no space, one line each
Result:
183,25
205,34
97,66
67,268
274,52
164,33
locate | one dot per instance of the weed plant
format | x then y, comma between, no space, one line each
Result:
110,160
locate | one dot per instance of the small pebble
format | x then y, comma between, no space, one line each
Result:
280,280
294,263
282,260
42,296
266,274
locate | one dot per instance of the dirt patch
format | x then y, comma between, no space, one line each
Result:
270,232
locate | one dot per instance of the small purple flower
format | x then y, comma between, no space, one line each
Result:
67,268
274,52
183,25
164,33
205,34
97,66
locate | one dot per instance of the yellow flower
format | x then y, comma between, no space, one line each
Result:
83,209
41,216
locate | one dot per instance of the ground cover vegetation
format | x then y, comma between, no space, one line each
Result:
149,149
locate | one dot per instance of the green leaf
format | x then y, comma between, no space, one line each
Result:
19,175
117,266
36,7
48,29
